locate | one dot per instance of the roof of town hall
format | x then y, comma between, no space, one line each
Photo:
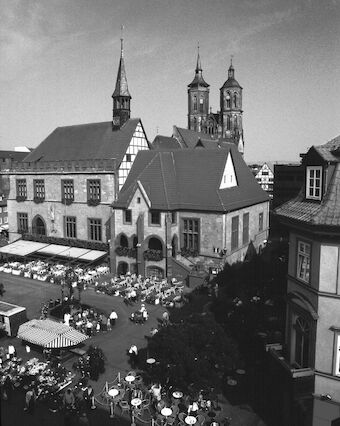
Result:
85,141
327,211
189,180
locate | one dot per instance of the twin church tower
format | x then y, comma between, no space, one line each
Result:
226,123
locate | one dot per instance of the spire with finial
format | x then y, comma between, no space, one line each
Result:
121,95
231,70
198,64
198,79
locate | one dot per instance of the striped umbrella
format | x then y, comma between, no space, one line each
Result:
50,334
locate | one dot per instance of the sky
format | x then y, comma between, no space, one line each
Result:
59,61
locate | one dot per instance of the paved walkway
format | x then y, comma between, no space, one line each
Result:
33,293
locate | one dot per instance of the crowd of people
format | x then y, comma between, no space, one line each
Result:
135,288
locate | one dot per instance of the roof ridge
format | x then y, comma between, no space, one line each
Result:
163,180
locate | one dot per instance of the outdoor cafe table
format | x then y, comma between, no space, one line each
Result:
135,402
130,379
150,361
113,392
166,412
177,394
190,420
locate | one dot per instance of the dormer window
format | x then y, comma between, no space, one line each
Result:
313,182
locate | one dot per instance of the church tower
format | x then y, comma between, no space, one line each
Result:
198,99
121,95
231,109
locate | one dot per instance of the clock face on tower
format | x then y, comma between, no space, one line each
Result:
116,121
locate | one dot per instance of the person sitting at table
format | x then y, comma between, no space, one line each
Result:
160,405
88,394
155,390
69,399
193,407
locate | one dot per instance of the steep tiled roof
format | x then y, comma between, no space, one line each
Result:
14,155
165,143
85,141
190,137
189,179
327,211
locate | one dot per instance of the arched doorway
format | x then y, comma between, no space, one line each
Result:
38,226
123,241
155,244
122,268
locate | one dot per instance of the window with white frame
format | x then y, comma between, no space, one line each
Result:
337,355
313,182
303,261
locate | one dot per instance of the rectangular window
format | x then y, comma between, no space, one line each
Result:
191,234
128,216
245,230
303,261
67,190
128,158
39,189
6,219
22,222
5,209
234,232
313,182
173,218
155,217
70,227
95,229
0,220
337,355
0,209
260,222
21,188
93,190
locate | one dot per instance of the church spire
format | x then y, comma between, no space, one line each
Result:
231,70
198,64
121,95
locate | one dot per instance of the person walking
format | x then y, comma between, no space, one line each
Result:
30,400
113,318
133,353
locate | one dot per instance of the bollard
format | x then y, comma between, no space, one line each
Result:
112,414
93,406
106,386
119,377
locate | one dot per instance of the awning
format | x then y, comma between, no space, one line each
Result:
50,334
22,247
92,255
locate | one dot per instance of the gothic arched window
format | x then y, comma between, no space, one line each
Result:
228,123
235,100
195,102
228,100
302,329
201,104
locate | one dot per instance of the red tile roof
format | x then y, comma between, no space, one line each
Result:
85,141
189,179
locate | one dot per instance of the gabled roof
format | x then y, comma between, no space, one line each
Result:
327,211
189,138
189,179
165,143
86,141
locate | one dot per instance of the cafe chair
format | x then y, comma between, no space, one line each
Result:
125,406
200,420
170,420
146,406
175,410
181,417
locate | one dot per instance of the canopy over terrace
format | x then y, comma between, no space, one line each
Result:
25,248
50,334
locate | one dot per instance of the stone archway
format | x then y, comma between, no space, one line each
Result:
39,226
122,268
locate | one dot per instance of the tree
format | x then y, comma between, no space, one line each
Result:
193,354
